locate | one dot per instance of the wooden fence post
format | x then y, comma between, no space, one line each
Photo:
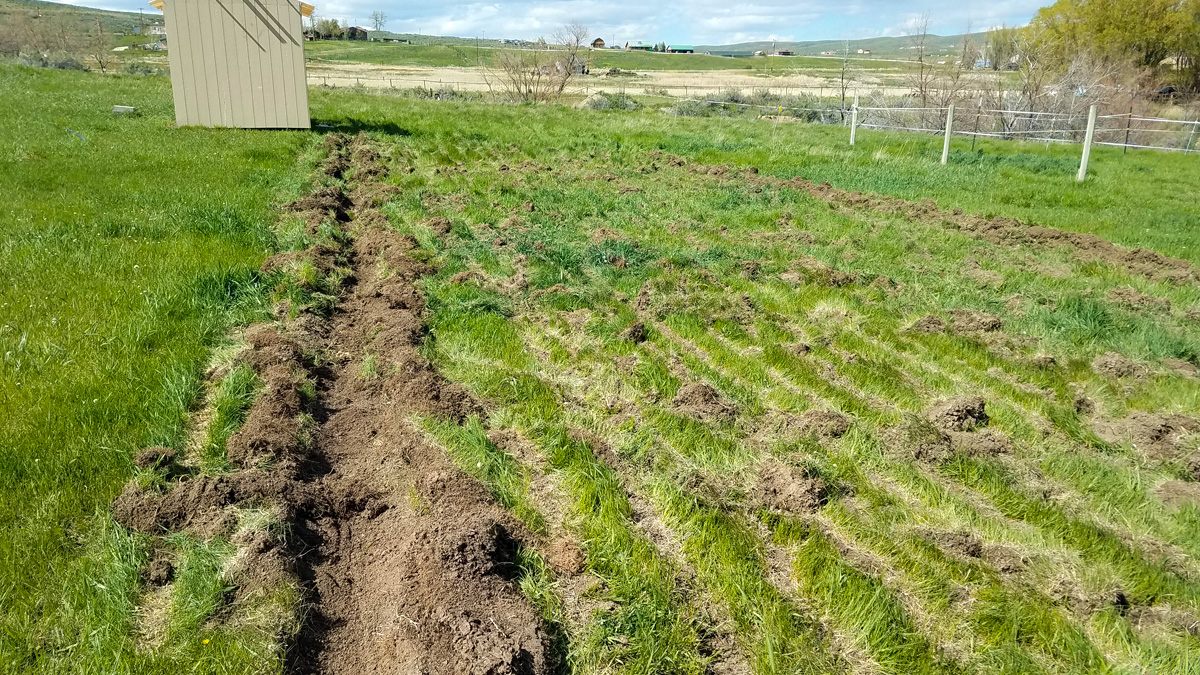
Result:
949,130
1087,144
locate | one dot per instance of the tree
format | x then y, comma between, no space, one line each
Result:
100,47
918,38
1000,47
328,29
378,20
541,75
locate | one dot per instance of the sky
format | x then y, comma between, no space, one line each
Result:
681,21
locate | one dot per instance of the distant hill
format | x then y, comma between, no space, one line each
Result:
881,47
85,17
125,22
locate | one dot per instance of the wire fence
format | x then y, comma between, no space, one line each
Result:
823,105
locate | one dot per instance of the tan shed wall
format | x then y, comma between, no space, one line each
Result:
237,63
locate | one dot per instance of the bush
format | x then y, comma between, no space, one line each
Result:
140,68
61,62
605,101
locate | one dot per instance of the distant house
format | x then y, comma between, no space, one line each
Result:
681,49
784,52
598,43
156,30
639,46
864,51
357,33
828,53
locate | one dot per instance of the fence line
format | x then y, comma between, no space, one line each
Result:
1142,132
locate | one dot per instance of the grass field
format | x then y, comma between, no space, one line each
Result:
720,385
464,54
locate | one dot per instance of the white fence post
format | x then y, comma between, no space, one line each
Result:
853,120
949,130
1087,144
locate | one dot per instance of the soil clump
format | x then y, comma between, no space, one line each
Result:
701,401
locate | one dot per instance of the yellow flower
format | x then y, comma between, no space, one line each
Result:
205,640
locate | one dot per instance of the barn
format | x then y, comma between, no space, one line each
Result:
238,63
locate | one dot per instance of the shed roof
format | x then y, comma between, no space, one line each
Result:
305,8
689,47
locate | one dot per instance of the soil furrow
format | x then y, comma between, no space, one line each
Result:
407,563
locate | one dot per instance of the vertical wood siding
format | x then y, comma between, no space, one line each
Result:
237,63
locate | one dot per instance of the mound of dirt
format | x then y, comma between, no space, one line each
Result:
824,423
921,440
327,200
973,321
1127,296
701,401
1158,435
962,544
154,457
930,323
565,556
1181,367
440,225
1004,559
635,333
1112,364
985,443
782,487
1176,493
961,413
818,272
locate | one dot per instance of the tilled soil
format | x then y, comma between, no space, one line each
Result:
407,564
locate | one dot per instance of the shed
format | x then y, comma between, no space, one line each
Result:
639,46
681,49
598,43
238,63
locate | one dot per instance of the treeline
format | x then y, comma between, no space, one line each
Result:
1145,44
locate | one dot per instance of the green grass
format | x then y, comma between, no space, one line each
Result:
126,257
129,255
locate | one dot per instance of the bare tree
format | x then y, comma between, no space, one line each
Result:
845,81
378,20
918,38
100,47
541,75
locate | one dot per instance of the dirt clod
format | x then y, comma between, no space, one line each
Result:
566,557
785,488
700,400
1131,298
154,457
961,413
973,321
930,323
635,333
440,225
1112,364
1158,435
958,543
985,443
1178,492
824,423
